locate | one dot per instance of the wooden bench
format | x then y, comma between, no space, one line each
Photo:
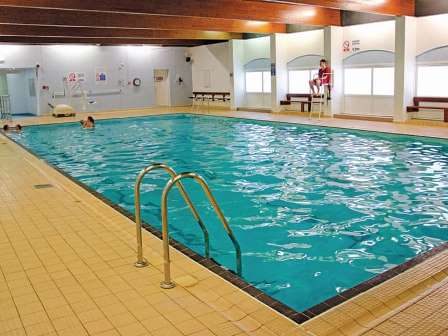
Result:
417,106
289,100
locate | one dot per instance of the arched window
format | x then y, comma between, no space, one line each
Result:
432,73
370,73
300,71
258,76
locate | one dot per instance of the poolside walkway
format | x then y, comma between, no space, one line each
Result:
66,268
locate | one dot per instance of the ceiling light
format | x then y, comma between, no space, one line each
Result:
308,13
371,2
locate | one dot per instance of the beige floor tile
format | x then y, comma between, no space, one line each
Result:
133,329
98,326
70,269
189,327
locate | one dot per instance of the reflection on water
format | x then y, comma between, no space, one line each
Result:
316,210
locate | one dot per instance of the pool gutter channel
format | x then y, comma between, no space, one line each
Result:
230,276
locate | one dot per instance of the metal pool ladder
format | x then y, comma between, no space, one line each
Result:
176,180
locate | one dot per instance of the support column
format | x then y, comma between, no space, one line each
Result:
405,65
333,40
279,79
237,89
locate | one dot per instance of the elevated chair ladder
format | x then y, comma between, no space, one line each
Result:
322,96
176,180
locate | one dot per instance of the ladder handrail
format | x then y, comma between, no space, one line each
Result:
167,283
141,262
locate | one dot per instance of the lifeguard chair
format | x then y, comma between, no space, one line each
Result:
323,97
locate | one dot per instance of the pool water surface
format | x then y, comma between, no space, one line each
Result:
316,210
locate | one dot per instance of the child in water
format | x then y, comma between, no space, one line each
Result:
16,128
88,123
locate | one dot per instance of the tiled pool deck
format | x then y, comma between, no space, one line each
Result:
66,263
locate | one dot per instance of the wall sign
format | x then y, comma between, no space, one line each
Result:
351,46
100,76
76,77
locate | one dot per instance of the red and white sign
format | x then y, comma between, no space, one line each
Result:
76,77
351,46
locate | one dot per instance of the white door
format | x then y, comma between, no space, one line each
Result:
162,87
21,87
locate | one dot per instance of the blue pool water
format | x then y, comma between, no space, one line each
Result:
316,210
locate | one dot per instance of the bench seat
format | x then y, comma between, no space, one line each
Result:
416,108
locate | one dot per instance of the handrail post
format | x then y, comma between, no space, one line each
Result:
141,261
166,283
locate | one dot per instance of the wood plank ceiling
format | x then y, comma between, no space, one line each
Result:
175,22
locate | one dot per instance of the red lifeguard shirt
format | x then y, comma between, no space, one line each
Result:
325,75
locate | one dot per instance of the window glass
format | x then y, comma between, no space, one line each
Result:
383,81
431,81
358,81
298,81
266,81
254,82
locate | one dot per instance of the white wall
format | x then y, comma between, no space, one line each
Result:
362,38
122,64
256,48
432,32
214,60
303,43
371,36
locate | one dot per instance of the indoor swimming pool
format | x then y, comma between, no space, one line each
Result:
316,210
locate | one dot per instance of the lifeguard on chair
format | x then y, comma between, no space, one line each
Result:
323,78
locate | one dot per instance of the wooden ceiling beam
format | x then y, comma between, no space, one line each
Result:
55,17
64,31
385,7
280,12
101,41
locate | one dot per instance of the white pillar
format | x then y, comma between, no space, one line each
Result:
405,65
237,89
333,40
279,80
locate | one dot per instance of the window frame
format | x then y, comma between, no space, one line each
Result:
262,81
371,68
310,73
427,64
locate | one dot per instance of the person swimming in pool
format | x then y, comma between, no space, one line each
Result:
88,123
16,128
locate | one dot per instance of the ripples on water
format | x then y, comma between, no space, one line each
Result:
316,210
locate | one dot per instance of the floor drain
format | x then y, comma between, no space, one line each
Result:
43,186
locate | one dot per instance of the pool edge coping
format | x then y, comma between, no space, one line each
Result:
299,122
230,276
